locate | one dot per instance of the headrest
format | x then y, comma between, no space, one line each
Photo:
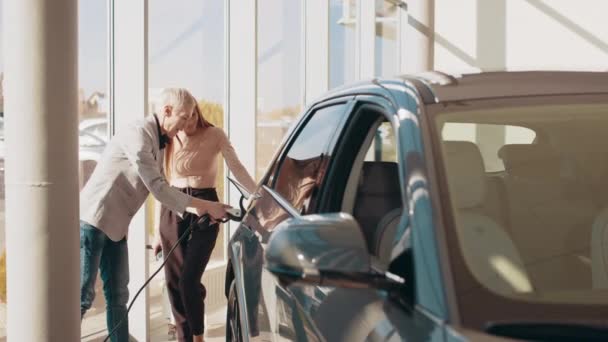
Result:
466,173
379,178
530,160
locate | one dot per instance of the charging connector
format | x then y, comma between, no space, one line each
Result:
233,214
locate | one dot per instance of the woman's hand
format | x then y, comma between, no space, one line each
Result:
217,211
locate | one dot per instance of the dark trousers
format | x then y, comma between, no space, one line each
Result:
185,266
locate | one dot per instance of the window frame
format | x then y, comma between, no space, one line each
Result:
329,146
329,201
269,177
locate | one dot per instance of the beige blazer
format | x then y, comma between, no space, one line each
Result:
129,169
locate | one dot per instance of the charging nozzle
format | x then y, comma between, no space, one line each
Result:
234,214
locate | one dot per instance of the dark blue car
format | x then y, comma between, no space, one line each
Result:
432,208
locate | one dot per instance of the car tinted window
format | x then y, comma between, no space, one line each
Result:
301,171
530,232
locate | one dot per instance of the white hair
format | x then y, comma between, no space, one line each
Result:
177,98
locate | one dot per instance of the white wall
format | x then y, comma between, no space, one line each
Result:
476,35
481,35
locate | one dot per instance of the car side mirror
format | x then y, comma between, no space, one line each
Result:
325,249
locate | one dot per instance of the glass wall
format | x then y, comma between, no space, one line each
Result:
279,75
92,109
2,230
93,104
186,49
386,42
92,92
342,42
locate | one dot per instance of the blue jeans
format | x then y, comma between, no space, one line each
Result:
97,252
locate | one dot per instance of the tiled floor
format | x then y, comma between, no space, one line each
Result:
94,327
214,331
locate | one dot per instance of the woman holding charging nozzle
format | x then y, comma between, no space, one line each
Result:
191,161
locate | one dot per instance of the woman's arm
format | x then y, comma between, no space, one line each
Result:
234,164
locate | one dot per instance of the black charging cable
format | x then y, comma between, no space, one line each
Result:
232,214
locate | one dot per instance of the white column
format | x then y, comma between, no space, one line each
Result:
417,36
366,26
316,35
42,239
241,88
129,102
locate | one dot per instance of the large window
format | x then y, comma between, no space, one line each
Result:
92,112
342,42
279,75
92,92
186,49
2,219
386,42
93,133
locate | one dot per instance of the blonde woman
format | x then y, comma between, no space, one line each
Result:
191,161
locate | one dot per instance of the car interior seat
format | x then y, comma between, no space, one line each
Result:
378,204
550,228
488,250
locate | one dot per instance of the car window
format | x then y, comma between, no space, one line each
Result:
530,233
383,146
363,178
302,169
373,194
493,138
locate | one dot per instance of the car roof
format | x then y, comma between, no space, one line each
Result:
435,86
445,87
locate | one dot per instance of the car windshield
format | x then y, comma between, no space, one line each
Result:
527,181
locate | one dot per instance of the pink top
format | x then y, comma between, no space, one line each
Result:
195,163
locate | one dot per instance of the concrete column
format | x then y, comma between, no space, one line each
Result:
366,28
241,86
41,106
418,36
316,24
129,102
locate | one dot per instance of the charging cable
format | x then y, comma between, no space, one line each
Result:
232,213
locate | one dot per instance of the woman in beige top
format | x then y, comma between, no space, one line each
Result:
191,165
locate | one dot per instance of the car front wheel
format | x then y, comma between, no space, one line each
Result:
233,325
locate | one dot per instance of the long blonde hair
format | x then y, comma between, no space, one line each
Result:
201,123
